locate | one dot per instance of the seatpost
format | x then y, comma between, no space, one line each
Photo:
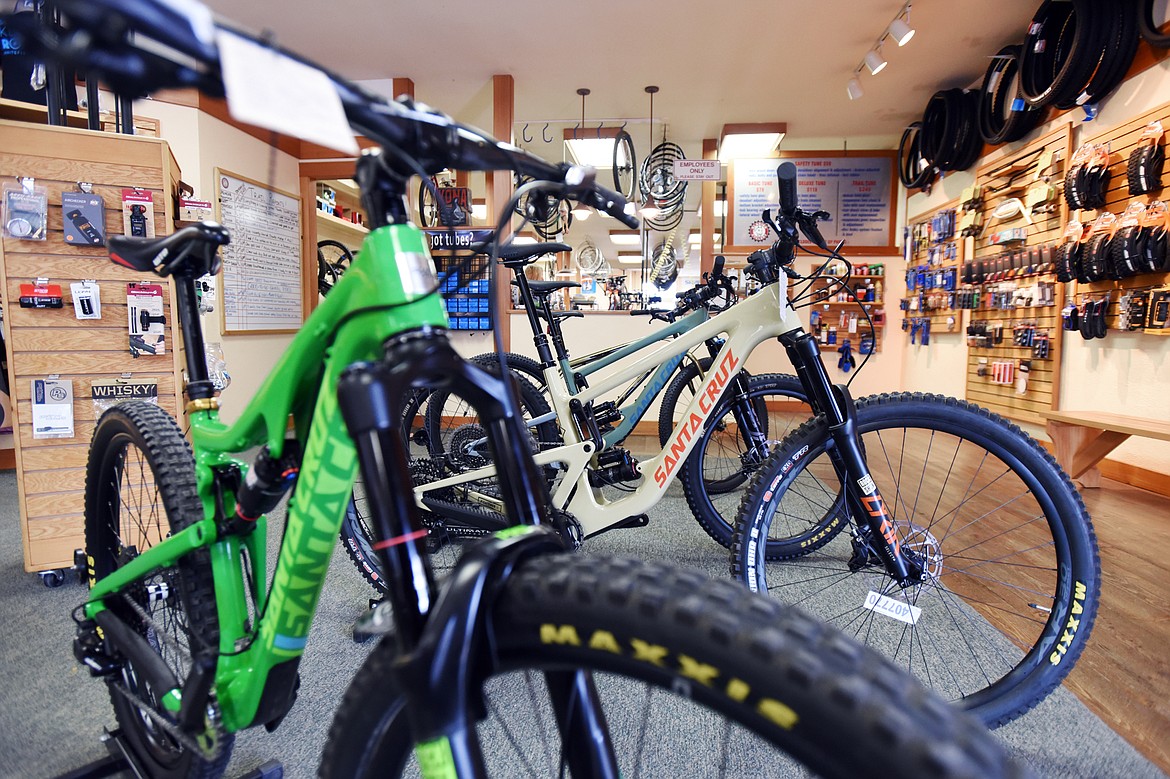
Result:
538,337
199,386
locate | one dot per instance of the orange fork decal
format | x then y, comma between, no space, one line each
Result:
876,508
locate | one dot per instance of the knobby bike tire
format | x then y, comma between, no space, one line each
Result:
782,683
722,462
1013,570
914,169
139,489
329,272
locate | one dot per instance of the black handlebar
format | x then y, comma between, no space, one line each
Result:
103,40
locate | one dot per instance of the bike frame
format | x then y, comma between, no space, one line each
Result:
255,673
767,314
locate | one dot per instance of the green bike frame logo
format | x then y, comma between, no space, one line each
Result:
708,396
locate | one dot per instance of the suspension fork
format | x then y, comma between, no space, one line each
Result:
862,497
748,423
439,659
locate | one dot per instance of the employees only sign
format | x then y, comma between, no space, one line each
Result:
696,170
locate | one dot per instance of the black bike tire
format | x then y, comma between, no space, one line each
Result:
838,691
326,268
168,456
999,122
697,489
426,216
1050,659
1148,28
623,138
1058,73
1120,47
532,402
912,174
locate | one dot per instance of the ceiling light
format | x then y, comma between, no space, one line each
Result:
581,212
697,238
750,140
629,258
720,209
854,89
875,62
589,149
564,272
630,209
650,210
625,237
900,31
524,239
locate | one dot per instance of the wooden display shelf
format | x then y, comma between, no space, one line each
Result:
330,219
19,111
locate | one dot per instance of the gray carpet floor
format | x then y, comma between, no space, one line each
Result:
52,714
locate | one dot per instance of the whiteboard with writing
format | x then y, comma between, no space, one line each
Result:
262,265
858,191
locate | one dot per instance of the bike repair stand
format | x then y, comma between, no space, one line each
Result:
122,759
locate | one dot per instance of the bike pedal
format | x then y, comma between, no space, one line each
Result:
378,621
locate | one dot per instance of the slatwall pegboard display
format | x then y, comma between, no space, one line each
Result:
932,271
1122,141
1010,274
52,341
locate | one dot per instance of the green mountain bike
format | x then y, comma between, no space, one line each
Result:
525,655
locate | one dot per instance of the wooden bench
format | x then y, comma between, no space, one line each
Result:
1083,438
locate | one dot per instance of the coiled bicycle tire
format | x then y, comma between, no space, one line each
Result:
949,137
1061,51
1148,28
1004,116
1119,21
914,169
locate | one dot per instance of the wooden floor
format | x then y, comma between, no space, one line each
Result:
1124,674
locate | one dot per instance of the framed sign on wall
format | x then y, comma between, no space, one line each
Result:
857,188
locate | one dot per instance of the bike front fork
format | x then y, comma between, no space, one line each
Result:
866,506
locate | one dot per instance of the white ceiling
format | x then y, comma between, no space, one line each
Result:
734,61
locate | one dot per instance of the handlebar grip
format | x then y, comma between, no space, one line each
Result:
717,269
786,175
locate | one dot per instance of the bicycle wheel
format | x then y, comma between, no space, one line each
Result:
456,439
725,685
724,458
625,165
1011,563
333,259
139,489
429,212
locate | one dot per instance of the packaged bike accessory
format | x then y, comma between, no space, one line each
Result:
1024,369
52,408
84,218
191,210
40,294
109,392
217,366
137,213
26,210
87,299
1144,169
147,323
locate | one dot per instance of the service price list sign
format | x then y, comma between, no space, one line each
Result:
857,191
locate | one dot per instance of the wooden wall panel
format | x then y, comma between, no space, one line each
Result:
1000,178
44,342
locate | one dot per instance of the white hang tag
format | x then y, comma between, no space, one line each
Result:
274,91
87,299
892,607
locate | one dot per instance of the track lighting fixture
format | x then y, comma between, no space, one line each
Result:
900,31
875,61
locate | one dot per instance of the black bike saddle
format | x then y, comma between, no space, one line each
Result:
191,251
518,255
547,287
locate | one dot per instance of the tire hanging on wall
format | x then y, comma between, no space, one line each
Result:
914,170
1119,41
949,137
1149,28
1060,50
1004,115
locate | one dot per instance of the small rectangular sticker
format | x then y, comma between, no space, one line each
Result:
893,608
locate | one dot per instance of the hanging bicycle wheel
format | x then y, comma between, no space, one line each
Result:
589,258
659,187
333,259
664,264
429,212
625,164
